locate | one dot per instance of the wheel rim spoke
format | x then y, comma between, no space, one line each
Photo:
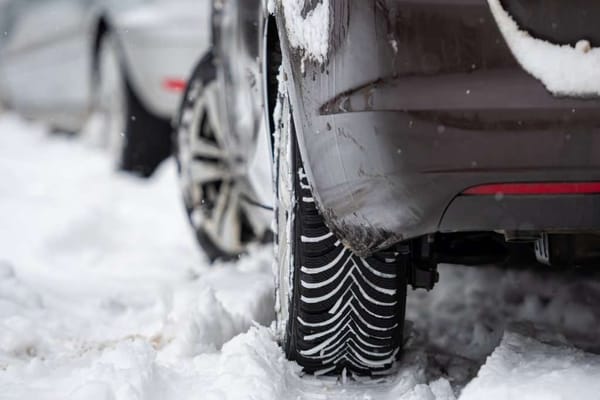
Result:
205,172
224,223
230,221
202,139
211,99
205,149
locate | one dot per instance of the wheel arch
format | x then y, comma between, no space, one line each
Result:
102,26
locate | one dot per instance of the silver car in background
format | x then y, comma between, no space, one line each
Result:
114,67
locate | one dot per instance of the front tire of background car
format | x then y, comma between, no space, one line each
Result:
215,191
136,139
337,312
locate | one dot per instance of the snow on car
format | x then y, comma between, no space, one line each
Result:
571,69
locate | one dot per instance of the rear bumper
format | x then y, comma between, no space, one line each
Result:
163,41
419,101
385,176
559,213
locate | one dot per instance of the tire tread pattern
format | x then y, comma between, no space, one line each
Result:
347,312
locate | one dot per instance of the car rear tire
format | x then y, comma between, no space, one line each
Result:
337,312
215,191
136,139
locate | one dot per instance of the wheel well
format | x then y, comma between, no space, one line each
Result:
273,62
102,27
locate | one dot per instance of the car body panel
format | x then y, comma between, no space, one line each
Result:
415,103
47,53
39,31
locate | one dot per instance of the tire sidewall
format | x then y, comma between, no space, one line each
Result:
285,213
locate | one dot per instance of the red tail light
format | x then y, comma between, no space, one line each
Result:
550,188
174,85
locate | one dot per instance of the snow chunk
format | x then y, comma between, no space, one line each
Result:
564,70
525,368
437,390
258,368
308,31
199,324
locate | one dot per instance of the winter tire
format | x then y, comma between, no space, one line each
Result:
136,139
338,313
214,186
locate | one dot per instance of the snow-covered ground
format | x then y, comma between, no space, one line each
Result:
104,296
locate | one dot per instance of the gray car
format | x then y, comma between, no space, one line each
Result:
117,67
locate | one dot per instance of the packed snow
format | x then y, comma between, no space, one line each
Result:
104,295
565,70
